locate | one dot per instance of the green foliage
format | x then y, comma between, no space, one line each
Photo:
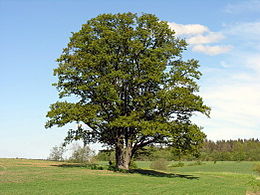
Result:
159,164
254,186
57,153
105,155
152,153
112,167
133,165
165,153
231,150
169,153
131,85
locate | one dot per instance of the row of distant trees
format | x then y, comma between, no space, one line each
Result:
238,150
230,150
223,150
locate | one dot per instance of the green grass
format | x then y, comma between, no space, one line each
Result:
221,166
18,176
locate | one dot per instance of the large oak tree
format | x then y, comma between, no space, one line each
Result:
131,86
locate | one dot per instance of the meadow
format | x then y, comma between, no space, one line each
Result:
22,176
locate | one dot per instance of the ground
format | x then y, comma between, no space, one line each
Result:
21,176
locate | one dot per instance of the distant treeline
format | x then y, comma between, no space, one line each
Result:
237,150
223,150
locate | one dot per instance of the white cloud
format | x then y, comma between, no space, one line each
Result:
253,62
243,6
209,38
224,64
248,30
235,109
231,89
188,29
235,104
233,94
227,132
197,35
212,50
245,36
238,103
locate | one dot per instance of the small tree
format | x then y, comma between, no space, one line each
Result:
159,164
57,153
132,86
82,154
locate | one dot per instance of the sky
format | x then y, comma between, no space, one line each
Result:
222,34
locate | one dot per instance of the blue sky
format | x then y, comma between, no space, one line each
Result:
223,36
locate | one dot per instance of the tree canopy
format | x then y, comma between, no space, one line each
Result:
131,86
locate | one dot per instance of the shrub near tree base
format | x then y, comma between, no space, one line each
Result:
257,168
160,164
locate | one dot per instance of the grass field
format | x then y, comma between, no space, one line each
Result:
20,176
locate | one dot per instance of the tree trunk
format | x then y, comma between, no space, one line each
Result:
123,157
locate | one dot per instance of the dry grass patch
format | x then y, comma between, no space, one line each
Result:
252,193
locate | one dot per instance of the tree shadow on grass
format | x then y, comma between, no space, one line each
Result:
88,166
154,173
146,172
